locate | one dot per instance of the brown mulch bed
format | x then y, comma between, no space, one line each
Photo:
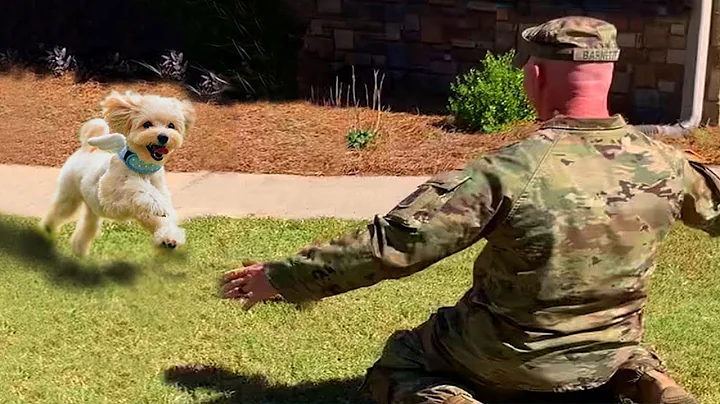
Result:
40,116
705,142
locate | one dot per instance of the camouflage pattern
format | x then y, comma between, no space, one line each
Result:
575,38
573,217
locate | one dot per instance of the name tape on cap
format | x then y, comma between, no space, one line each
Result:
596,55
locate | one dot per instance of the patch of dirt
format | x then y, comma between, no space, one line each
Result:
705,142
40,117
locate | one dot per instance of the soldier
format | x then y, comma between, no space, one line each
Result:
573,217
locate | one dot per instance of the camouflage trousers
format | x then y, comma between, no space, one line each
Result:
407,374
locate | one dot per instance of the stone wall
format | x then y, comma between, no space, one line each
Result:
422,45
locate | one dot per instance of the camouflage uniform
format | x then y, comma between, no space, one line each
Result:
573,217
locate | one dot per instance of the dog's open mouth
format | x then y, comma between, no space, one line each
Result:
157,152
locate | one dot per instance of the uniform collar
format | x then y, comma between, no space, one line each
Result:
565,122
133,162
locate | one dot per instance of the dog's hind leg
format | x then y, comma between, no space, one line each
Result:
87,229
65,203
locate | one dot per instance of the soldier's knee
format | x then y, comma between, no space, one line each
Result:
396,386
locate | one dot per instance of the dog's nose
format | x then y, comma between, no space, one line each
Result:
162,138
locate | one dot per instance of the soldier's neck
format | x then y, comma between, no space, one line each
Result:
578,107
577,90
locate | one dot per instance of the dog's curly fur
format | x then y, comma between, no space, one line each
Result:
106,187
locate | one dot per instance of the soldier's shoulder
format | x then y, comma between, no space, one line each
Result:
535,141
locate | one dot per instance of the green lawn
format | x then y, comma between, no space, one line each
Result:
120,333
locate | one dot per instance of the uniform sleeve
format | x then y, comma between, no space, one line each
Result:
701,200
445,215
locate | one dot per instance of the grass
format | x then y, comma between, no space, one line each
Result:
122,333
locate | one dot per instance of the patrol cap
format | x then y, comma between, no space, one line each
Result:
574,38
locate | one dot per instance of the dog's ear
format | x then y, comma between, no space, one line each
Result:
189,114
118,109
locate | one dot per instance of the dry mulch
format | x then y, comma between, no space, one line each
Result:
705,142
40,116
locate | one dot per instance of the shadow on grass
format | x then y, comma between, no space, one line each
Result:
236,388
32,247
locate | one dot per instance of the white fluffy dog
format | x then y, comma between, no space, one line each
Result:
129,183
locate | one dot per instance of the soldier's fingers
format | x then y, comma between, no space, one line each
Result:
235,273
236,283
236,293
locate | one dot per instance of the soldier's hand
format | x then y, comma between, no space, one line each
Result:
248,284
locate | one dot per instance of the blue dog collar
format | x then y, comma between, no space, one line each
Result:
133,162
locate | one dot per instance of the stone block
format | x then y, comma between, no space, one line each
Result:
504,41
668,72
677,42
633,55
628,40
656,37
666,86
344,39
657,56
358,59
676,56
620,21
329,6
411,23
392,32
468,55
431,30
677,29
482,5
505,27
443,67
713,90
502,14
316,27
647,104
711,113
644,76
321,46
463,43
621,83
636,24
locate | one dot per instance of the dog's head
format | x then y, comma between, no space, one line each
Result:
153,126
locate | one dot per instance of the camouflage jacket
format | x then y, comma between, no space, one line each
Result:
573,217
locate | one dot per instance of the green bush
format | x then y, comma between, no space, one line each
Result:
359,138
492,98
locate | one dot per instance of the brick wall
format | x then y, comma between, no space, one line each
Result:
422,45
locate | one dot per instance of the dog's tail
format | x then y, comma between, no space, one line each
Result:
90,129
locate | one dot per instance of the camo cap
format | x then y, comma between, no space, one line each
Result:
573,38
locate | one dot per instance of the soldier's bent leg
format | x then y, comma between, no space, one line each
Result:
402,375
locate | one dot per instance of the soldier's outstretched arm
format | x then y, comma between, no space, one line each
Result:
701,200
445,215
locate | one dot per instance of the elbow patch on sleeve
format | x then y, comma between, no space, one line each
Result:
428,199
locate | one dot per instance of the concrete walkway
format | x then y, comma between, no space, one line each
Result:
27,191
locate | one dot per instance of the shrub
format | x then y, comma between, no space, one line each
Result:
359,138
492,98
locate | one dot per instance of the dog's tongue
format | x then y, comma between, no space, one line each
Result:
162,150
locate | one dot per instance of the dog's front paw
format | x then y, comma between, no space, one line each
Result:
169,238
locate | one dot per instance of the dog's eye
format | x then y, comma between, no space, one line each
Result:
171,126
147,125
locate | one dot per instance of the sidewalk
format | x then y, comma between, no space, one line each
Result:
27,191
